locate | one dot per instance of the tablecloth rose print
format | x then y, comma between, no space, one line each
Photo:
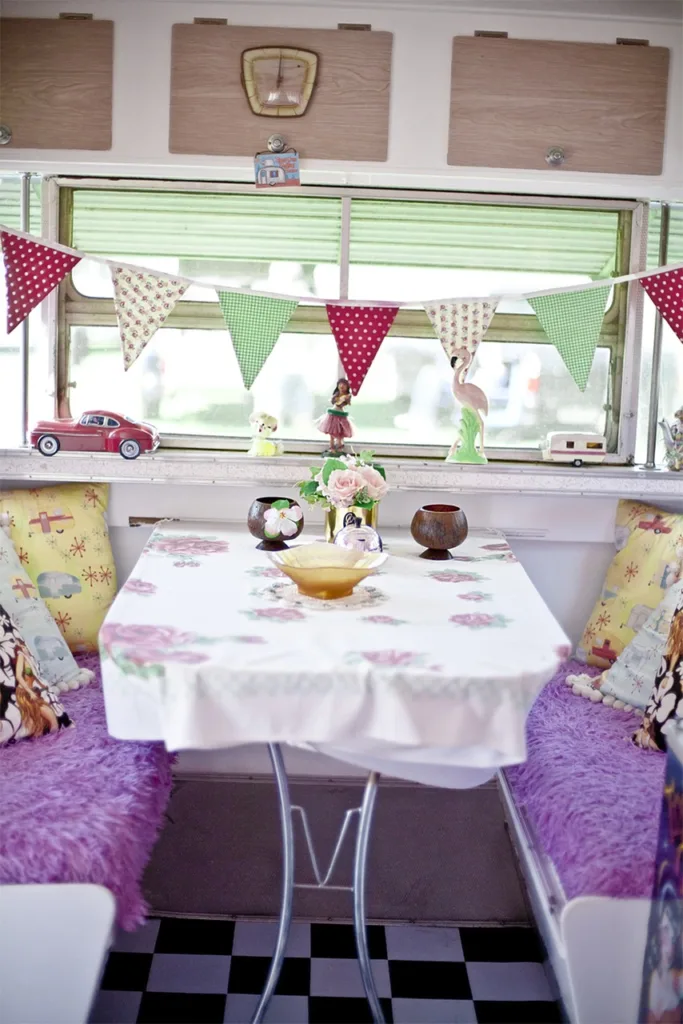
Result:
393,659
186,548
475,595
141,587
275,614
143,649
450,576
384,620
480,621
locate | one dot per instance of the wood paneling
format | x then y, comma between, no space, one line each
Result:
512,99
56,82
347,118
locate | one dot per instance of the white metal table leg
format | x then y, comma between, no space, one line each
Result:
359,876
322,881
287,833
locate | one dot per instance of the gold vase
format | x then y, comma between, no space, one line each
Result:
337,518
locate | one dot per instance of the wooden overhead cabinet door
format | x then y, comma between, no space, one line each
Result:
347,118
603,104
56,82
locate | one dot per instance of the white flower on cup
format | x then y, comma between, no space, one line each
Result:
282,520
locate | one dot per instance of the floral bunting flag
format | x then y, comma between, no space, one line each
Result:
359,331
255,323
666,291
32,270
461,325
142,302
572,321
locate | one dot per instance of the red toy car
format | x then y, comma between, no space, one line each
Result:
96,431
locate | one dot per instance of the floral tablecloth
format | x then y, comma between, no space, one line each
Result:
434,665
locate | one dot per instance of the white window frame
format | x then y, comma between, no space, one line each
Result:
308,317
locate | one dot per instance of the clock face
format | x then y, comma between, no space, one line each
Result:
279,80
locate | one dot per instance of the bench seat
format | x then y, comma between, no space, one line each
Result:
79,806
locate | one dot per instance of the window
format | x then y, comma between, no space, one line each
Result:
394,247
671,375
11,368
328,243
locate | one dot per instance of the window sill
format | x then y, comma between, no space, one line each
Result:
238,470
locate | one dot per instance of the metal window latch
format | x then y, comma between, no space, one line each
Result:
5,134
555,156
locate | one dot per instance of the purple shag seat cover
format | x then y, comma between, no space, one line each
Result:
79,806
593,798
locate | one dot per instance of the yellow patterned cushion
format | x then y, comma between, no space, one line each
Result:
60,534
649,560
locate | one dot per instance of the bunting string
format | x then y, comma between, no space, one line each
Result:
570,316
319,301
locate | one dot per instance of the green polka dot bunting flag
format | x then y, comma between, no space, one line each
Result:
255,323
572,321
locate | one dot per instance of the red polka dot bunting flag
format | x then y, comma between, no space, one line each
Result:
359,331
666,291
142,302
32,270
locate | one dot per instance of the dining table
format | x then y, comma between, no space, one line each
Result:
426,672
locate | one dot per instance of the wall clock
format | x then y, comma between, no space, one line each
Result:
279,80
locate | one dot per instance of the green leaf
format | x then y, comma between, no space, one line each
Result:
364,503
380,469
308,488
367,457
269,535
314,471
282,503
330,467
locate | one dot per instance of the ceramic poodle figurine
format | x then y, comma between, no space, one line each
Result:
262,445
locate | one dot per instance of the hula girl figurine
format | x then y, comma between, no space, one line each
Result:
336,423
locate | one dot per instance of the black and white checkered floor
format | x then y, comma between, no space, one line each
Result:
200,971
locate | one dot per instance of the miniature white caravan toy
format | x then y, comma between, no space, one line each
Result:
574,448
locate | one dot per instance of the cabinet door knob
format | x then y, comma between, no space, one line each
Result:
555,156
5,134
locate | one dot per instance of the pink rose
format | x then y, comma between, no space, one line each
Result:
343,486
155,636
375,484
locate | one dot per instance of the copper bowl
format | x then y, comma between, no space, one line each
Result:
256,521
439,528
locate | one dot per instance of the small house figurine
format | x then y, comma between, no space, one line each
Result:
673,441
262,445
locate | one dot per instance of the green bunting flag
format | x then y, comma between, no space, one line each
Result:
255,323
572,321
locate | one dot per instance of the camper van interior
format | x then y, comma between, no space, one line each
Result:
341,511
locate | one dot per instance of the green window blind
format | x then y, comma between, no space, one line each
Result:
675,252
204,226
10,203
482,237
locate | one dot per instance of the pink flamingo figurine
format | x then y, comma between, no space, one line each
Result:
470,396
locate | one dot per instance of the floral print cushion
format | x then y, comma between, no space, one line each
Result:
28,706
666,700
60,535
648,561
20,598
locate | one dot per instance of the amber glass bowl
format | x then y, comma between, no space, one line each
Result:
326,571
439,528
